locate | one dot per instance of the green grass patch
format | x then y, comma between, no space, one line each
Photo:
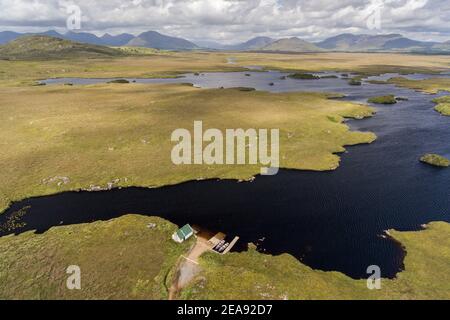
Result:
435,160
119,81
244,89
377,82
140,51
303,76
125,258
443,105
355,82
432,85
388,99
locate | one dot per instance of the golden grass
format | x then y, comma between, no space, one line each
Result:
158,65
168,64
431,86
97,134
366,63
119,259
443,105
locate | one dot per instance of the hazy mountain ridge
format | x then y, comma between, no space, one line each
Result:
253,44
382,43
342,43
124,39
153,39
292,45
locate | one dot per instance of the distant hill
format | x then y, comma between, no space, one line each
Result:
441,47
206,44
45,47
354,42
105,40
342,42
292,45
116,41
146,39
253,44
7,36
405,43
50,33
156,40
377,43
82,37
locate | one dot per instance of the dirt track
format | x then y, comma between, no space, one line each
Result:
188,267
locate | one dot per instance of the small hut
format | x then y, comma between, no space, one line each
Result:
183,234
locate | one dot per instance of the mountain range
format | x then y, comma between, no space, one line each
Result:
388,42
153,39
341,43
149,39
291,45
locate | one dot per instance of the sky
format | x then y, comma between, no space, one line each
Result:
232,21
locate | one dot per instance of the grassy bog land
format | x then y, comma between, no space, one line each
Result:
132,257
432,85
363,63
59,138
128,258
443,105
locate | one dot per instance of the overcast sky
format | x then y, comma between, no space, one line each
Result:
230,21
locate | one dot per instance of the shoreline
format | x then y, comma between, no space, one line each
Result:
371,137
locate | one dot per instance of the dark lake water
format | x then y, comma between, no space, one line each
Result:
329,221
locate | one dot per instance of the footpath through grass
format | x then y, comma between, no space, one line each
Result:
127,258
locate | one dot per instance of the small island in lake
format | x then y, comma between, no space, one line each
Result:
435,160
304,76
247,89
355,82
389,99
119,81
443,106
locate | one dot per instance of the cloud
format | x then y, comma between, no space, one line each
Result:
234,20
